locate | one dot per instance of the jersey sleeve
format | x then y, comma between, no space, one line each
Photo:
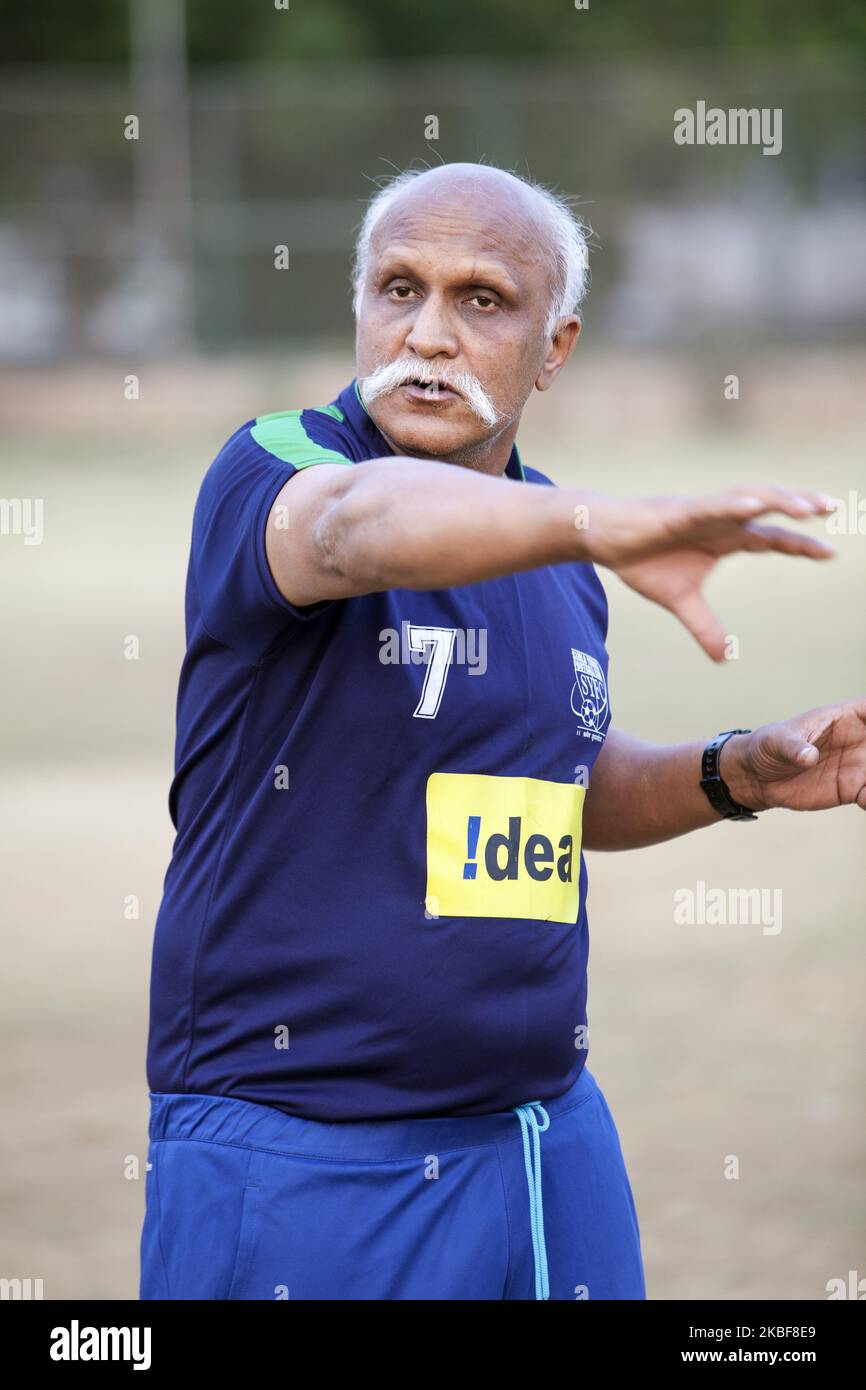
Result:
238,599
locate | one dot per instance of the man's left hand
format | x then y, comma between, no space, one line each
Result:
808,763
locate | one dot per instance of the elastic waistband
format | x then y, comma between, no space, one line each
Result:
225,1120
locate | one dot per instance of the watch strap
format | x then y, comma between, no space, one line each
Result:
716,790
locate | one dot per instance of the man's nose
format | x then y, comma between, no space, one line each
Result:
432,330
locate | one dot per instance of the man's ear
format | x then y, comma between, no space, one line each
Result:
560,347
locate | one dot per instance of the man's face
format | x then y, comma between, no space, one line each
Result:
458,282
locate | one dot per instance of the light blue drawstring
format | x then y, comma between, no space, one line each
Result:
527,1118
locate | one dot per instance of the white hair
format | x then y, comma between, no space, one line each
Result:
568,241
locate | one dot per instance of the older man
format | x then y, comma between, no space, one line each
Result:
369,976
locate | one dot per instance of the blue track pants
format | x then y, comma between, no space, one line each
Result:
244,1202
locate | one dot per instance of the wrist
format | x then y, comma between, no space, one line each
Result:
736,772
582,503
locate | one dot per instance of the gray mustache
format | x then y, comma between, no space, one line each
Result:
394,374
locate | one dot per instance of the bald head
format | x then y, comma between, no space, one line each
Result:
503,200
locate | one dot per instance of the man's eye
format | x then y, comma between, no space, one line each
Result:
484,301
402,291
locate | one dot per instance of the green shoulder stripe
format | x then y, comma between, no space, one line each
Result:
283,435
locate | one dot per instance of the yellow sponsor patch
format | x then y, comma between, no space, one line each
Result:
503,847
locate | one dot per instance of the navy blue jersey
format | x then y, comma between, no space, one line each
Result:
376,901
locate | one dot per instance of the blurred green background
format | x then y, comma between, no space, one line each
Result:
155,257
261,127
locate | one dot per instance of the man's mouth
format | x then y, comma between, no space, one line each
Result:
430,391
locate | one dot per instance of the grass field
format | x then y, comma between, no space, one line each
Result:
709,1041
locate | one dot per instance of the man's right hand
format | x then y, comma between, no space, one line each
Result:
664,547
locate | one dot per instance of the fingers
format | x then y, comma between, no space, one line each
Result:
719,521
757,537
726,522
696,615
625,530
747,501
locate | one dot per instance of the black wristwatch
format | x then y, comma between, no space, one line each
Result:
717,792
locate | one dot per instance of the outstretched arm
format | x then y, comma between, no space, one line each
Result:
642,793
404,523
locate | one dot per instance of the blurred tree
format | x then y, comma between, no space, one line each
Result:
224,31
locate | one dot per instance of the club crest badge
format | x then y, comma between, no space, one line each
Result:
589,695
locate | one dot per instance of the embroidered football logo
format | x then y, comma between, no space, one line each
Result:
589,692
